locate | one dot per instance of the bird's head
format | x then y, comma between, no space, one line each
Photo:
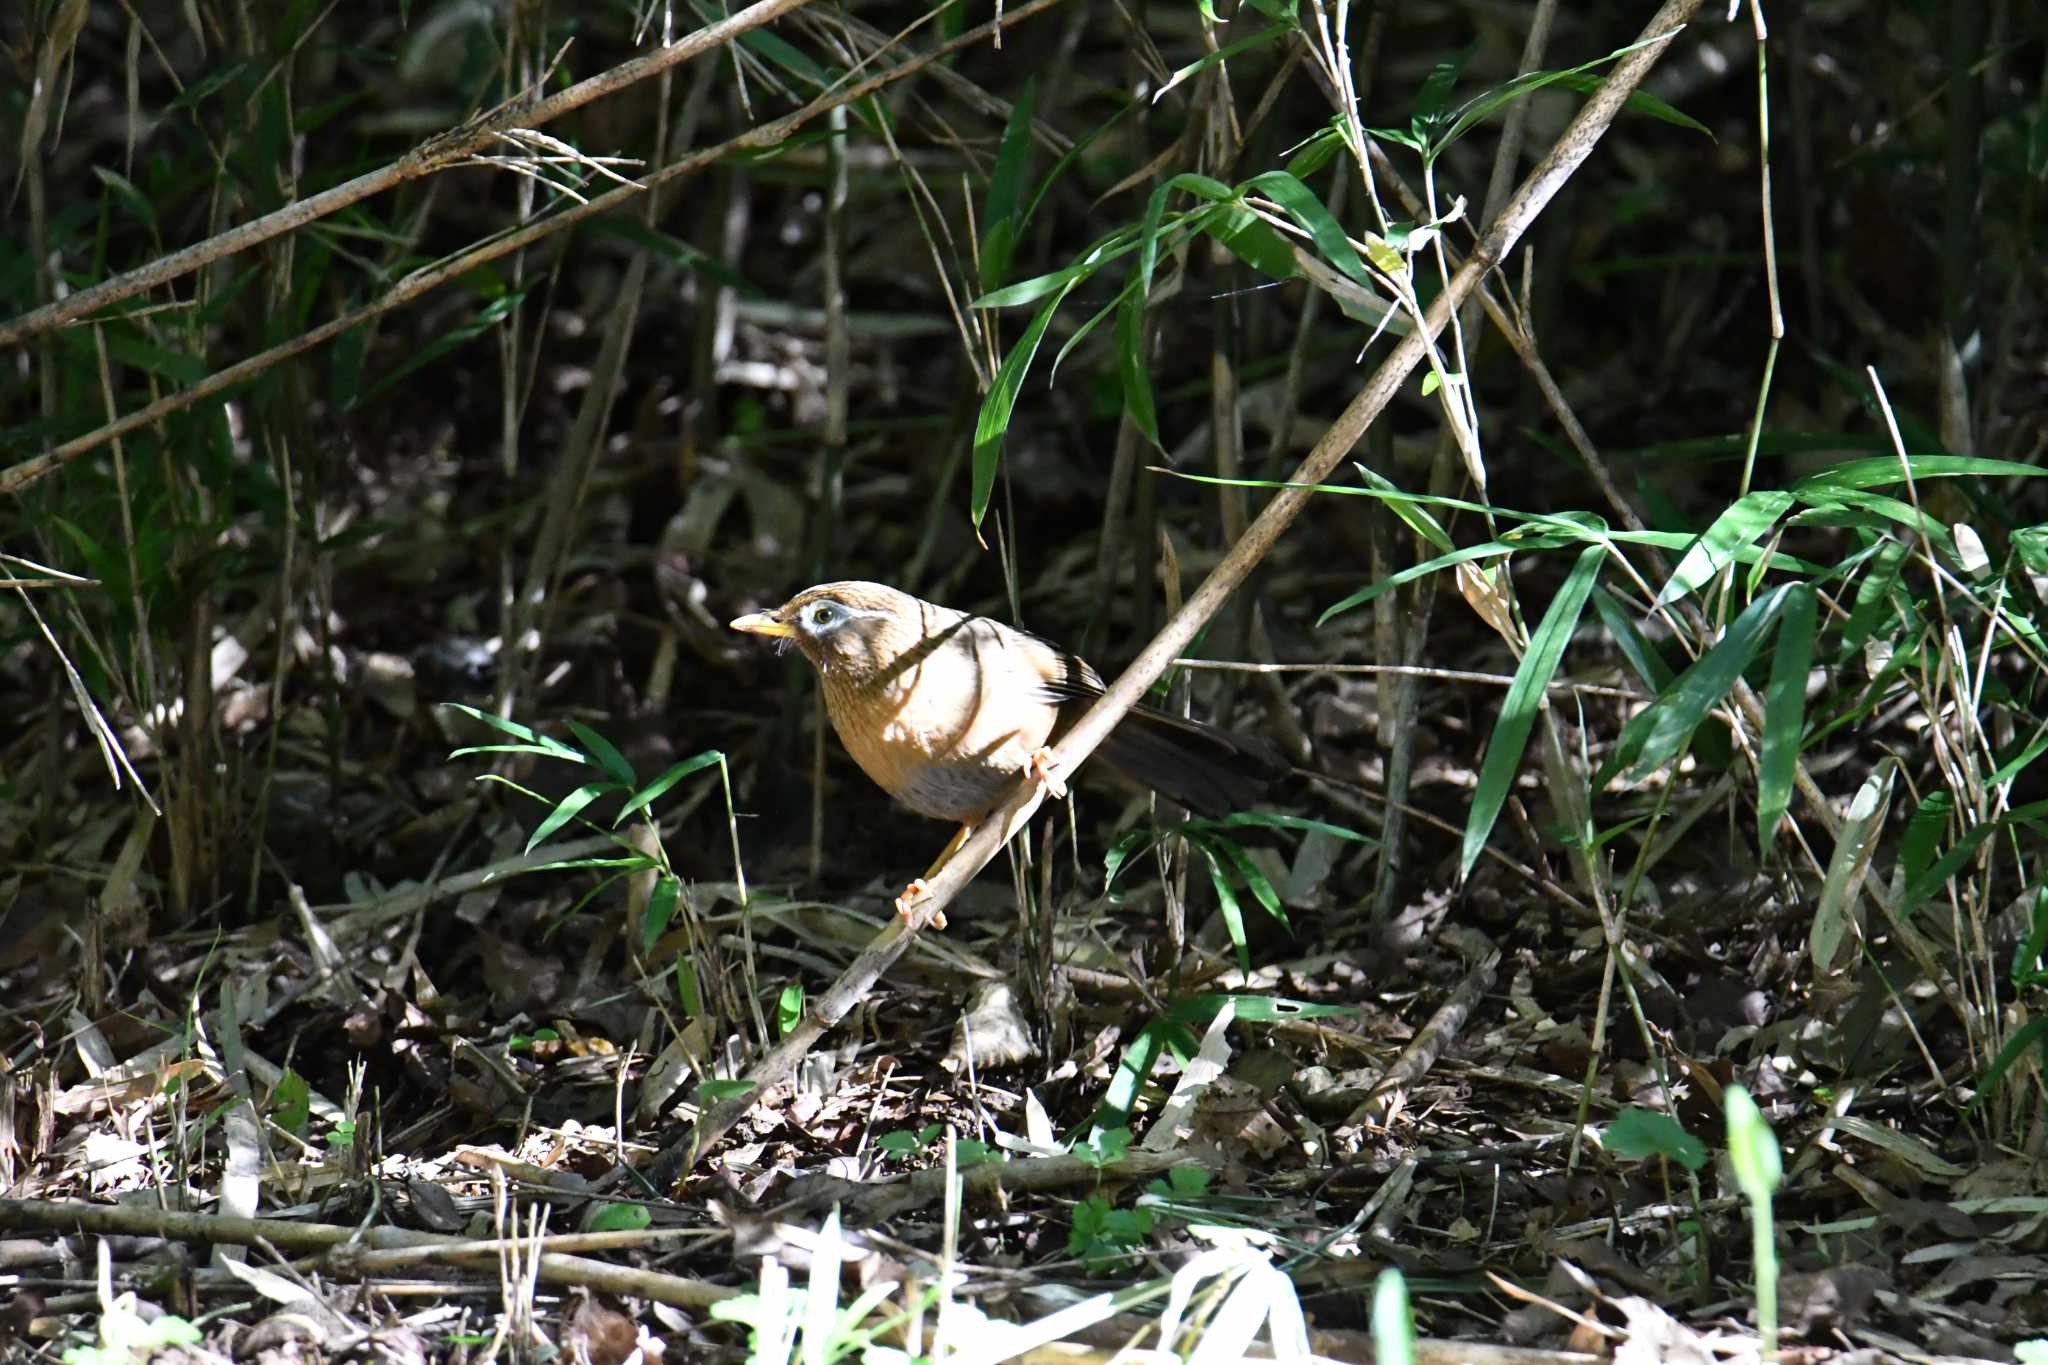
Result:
849,631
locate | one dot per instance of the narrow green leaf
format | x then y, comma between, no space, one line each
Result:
1919,888
1873,598
1005,189
1221,54
1882,471
1131,365
1436,88
2030,959
1785,710
1492,549
1894,509
1315,152
2020,761
661,908
994,422
1635,647
1226,903
1261,888
1101,253
2030,1035
1133,1069
134,200
1655,735
1924,831
1120,853
654,790
1196,1011
607,755
1333,244
1412,513
1524,699
566,810
541,743
1487,102
1638,102
1252,240
1260,819
1742,524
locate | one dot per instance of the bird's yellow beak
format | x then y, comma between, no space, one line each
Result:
764,623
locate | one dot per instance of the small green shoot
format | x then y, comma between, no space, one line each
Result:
1393,1322
789,1008
125,1336
1753,1152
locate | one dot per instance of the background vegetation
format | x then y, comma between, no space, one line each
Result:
1658,654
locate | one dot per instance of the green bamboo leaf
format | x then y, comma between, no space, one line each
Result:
2019,762
535,742
1248,871
1226,899
566,810
1131,366
1099,254
1525,697
994,422
1635,647
2032,1034
608,757
1260,819
1743,523
134,200
1005,189
1486,103
1638,102
1892,509
1882,471
1919,888
1785,710
1197,1010
1923,834
1656,734
661,908
1436,90
1222,54
1302,205
1490,550
1252,240
654,790
1873,597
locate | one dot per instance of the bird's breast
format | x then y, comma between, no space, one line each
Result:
948,752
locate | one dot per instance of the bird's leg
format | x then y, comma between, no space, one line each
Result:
1040,768
918,888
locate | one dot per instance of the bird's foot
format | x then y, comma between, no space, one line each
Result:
906,904
1040,769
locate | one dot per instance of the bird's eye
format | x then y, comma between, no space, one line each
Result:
824,614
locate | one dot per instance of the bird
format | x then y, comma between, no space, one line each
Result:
944,709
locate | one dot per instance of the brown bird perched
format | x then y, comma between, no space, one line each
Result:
944,709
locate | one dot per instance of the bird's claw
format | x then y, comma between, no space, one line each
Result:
1041,772
906,904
